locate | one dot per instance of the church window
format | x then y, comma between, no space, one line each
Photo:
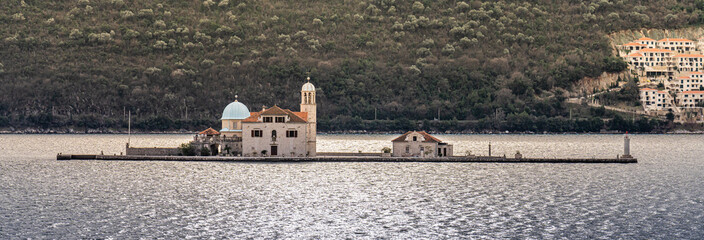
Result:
415,138
280,119
256,133
267,119
273,135
292,134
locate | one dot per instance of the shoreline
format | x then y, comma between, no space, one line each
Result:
351,132
466,159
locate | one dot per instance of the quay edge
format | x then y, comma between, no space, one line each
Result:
476,159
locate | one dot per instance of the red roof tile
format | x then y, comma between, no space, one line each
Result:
296,117
209,131
428,137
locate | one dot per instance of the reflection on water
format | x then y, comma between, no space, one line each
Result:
660,197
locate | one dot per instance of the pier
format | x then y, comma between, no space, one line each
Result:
467,159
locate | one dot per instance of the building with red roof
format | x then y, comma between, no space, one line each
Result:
420,144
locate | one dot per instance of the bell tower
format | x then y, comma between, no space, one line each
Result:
308,106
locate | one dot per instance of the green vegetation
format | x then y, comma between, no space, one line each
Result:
177,64
186,149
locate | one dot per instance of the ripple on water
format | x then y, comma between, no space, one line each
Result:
660,197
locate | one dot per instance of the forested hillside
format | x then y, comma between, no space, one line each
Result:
177,63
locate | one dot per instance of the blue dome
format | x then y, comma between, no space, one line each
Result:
235,111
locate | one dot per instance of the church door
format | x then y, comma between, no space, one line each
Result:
274,150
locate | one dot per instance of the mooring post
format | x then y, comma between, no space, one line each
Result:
489,149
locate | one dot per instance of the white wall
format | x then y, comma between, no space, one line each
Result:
285,145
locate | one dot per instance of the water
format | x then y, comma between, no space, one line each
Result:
661,197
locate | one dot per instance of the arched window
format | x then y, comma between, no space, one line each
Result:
273,135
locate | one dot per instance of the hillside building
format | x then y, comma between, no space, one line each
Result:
654,100
690,99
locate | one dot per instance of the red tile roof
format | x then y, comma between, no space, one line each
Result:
209,131
634,44
696,73
645,39
684,77
635,55
697,92
296,117
655,50
428,137
674,40
648,89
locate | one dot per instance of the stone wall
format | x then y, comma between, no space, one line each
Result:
153,151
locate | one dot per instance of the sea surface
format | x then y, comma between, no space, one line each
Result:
661,197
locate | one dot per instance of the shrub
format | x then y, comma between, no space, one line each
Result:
224,3
187,149
428,43
415,70
386,150
49,21
358,18
234,40
397,26
83,2
126,14
219,42
117,2
418,7
18,17
300,34
391,10
317,22
261,38
130,34
100,37
159,24
423,52
147,12
75,34
205,151
284,38
448,50
160,45
208,3
152,70
462,6
236,63
207,63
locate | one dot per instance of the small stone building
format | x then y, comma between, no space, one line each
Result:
420,144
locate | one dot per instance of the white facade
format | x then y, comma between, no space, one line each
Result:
649,42
690,99
308,106
693,82
677,44
274,139
654,100
420,144
689,62
277,132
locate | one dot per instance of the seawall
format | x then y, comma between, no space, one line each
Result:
478,159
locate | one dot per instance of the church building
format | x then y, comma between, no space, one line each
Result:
272,132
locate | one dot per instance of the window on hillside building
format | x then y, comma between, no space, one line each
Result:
291,134
256,133
408,149
267,119
273,135
280,119
415,138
